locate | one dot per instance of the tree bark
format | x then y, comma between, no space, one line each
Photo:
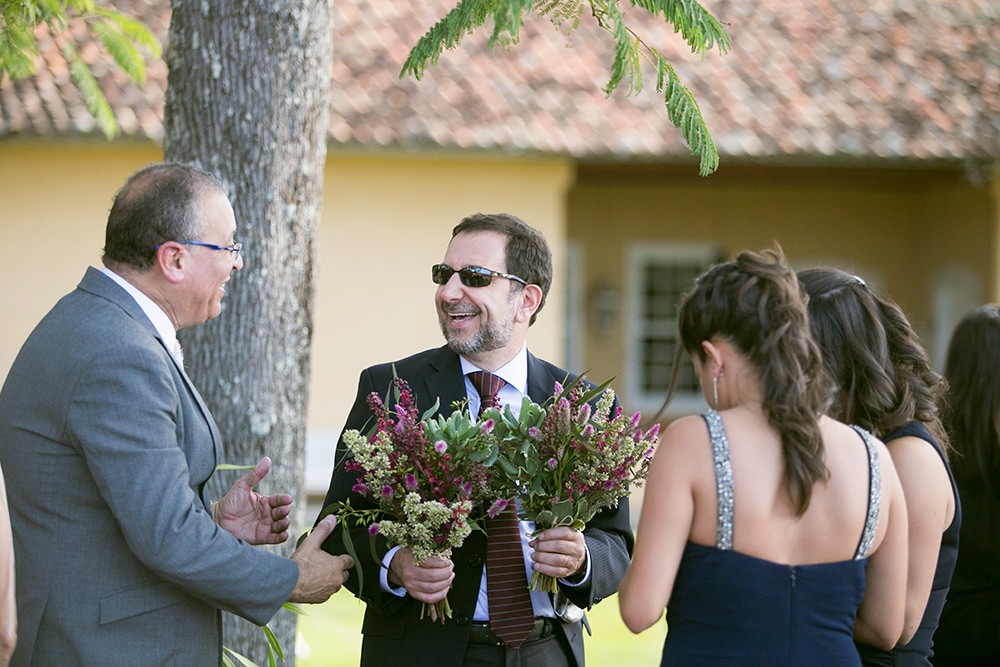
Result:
248,100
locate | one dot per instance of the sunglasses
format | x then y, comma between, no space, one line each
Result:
471,276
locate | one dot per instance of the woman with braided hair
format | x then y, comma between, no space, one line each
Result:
885,384
760,516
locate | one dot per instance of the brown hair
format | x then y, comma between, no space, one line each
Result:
974,415
882,374
755,303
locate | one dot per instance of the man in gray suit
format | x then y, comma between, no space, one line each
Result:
107,447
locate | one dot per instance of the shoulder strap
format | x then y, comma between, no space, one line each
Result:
874,495
723,480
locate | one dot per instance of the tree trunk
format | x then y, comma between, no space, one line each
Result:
248,100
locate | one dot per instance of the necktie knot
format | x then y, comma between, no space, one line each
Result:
487,384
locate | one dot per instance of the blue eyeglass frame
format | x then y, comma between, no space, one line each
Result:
233,250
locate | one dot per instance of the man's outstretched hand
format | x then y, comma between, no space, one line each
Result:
320,574
251,517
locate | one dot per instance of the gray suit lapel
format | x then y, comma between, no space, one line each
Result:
100,285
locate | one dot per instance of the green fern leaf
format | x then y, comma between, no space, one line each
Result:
122,50
17,51
135,30
684,113
97,103
700,29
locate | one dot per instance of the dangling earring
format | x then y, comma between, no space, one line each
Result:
715,390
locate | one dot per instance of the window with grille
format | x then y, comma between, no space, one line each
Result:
659,277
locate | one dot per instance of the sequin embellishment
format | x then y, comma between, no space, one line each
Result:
874,495
723,480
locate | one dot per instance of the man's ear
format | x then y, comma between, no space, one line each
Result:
531,297
171,259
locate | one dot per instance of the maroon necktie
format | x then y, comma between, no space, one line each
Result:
511,615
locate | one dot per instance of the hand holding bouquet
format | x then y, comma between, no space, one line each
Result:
569,461
428,477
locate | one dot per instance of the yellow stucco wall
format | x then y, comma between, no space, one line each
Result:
54,203
900,229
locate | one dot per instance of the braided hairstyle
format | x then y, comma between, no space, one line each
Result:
755,303
974,415
883,376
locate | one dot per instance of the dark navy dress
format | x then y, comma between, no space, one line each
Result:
728,608
917,652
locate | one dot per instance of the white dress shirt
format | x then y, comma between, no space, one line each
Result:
161,321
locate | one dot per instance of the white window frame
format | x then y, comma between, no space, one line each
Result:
638,256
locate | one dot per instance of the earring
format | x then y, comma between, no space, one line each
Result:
715,390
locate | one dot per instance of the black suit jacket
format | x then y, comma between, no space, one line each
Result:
393,631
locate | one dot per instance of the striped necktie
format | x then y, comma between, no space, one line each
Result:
511,614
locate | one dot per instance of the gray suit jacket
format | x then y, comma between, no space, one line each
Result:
107,447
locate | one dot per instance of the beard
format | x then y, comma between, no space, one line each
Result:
490,336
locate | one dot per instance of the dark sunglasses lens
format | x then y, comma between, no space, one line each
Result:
472,278
440,273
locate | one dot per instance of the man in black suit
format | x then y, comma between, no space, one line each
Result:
493,281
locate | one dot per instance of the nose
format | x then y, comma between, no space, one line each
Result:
238,262
451,290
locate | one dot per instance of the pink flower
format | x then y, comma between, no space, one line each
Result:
359,488
558,389
583,416
387,492
373,529
588,430
635,420
534,432
552,463
653,431
487,426
497,508
411,481
441,446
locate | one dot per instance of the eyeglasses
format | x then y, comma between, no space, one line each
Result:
233,250
471,276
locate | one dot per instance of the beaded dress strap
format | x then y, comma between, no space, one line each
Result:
723,480
874,495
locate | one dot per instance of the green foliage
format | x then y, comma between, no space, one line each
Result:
126,39
697,26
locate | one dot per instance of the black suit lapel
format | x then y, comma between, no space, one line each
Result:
541,379
444,382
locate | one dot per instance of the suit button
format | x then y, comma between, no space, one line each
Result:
462,620
476,560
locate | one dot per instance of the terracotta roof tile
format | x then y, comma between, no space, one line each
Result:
911,79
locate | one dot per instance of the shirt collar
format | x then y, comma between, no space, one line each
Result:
161,321
514,372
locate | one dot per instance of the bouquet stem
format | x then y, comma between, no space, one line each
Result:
543,583
438,611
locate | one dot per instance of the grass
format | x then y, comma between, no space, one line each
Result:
330,636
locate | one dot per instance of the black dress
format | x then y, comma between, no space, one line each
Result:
918,650
729,608
969,633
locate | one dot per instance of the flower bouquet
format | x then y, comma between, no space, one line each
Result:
569,461
429,479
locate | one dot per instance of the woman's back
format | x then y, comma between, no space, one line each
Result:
756,585
765,524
